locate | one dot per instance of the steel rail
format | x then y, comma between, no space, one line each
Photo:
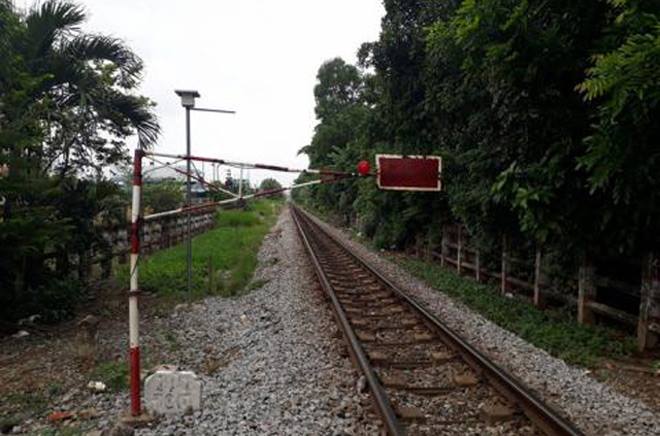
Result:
383,405
548,420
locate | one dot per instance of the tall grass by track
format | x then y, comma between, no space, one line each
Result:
554,331
224,258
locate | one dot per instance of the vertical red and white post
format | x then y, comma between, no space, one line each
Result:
133,318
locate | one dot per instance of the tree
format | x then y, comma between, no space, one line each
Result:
339,86
339,108
162,196
67,105
545,114
88,84
270,184
622,157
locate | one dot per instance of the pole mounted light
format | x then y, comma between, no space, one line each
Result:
188,97
188,101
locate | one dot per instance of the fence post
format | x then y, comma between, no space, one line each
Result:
459,249
649,307
477,265
586,292
442,245
539,279
505,265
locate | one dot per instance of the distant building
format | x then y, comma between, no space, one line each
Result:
176,174
164,174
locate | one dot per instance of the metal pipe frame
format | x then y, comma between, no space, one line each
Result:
253,165
210,204
197,178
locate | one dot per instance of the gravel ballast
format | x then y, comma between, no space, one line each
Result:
270,360
593,406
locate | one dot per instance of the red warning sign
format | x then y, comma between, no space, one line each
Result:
409,173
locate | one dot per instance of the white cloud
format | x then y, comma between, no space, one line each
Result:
258,57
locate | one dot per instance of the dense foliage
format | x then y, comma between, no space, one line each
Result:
67,103
545,113
162,195
270,184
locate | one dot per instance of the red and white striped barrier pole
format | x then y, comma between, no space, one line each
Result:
133,320
250,165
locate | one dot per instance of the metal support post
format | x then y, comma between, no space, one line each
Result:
240,183
188,203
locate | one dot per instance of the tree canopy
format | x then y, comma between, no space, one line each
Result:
545,114
68,102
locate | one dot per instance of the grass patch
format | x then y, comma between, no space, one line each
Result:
552,330
223,258
113,373
32,403
238,218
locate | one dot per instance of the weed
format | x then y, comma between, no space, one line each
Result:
113,373
54,389
33,403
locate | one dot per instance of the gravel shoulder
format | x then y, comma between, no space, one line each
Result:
269,360
594,407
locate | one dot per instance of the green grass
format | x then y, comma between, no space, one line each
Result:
552,330
113,373
23,404
223,258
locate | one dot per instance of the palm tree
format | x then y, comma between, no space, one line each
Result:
88,83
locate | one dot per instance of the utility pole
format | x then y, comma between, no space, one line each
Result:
188,101
240,183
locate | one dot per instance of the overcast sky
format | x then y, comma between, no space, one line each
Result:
258,57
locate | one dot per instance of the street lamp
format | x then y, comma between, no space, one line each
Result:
188,101
187,97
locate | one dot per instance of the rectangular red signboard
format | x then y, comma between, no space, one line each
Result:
409,173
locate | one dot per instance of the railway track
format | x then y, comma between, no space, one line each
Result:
423,377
